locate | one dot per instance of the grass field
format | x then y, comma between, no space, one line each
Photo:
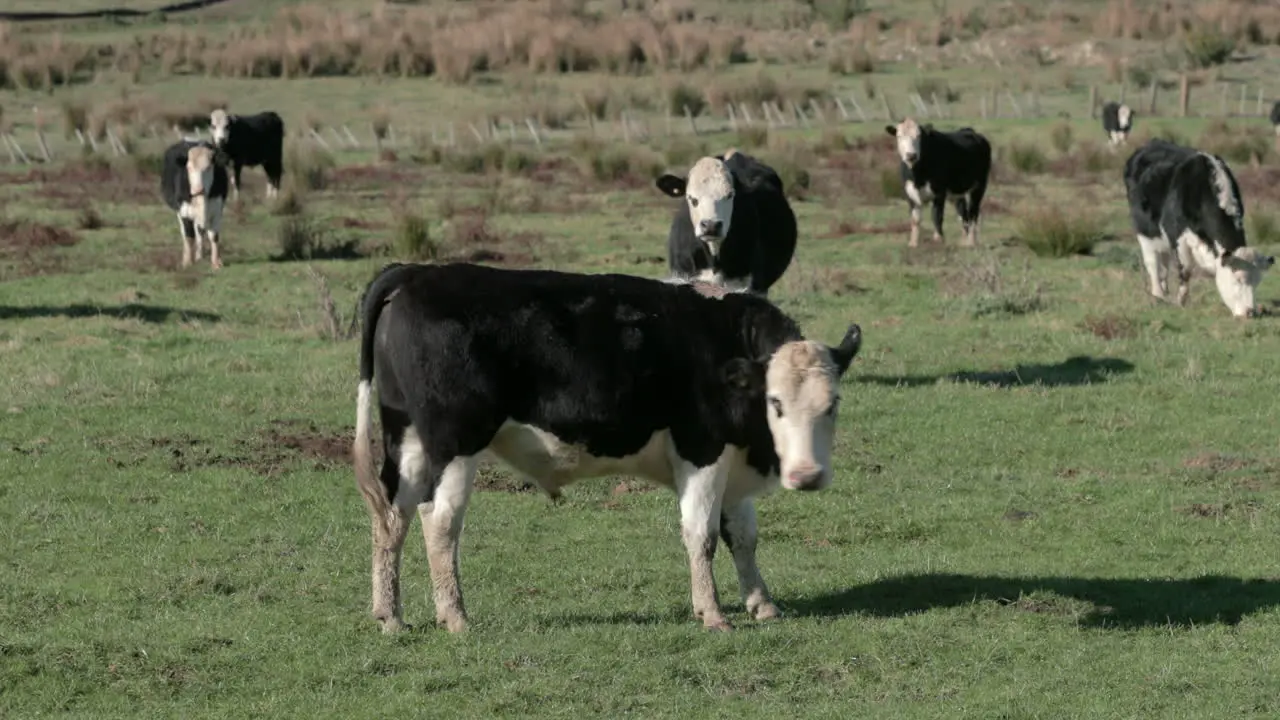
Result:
1055,497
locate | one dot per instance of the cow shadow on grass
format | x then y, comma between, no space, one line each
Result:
133,311
1102,603
1078,370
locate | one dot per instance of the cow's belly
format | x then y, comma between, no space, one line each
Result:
553,463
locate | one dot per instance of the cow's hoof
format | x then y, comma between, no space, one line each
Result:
767,611
717,624
391,626
454,623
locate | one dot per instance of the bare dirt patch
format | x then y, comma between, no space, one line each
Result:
1110,327
1216,463
30,248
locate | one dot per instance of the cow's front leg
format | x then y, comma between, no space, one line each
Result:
1184,287
235,181
442,530
701,492
915,225
215,260
738,528
188,230
939,210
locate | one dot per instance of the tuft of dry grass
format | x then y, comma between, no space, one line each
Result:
1050,231
1237,143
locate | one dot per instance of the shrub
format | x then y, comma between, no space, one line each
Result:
753,136
681,96
413,240
891,184
1051,232
1206,46
1062,136
288,202
300,238
309,166
1027,158
1236,143
87,218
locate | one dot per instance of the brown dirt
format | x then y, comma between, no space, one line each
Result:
1110,327
1216,463
30,248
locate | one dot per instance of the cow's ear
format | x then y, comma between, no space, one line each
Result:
743,375
844,353
672,185
892,130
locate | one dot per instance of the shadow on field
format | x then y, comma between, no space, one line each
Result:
132,311
1116,603
1078,370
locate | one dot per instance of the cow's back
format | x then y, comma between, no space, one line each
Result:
575,355
174,186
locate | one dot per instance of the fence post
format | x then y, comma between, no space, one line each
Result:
1259,111
1184,95
693,125
1093,101
1244,91
1151,104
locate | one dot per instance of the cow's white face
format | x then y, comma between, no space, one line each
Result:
219,126
1238,276
1124,116
908,134
801,384
200,167
709,192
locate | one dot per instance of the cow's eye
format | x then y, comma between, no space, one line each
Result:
693,201
776,404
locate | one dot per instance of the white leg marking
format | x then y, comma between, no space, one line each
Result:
740,527
186,241
413,471
1155,253
442,521
701,492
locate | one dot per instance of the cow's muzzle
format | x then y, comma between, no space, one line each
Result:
807,477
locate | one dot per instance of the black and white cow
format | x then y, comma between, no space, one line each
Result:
566,376
193,183
249,141
735,226
1117,121
934,164
1275,119
1187,213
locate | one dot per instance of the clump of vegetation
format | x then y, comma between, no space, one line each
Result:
851,58
681,97
1027,158
1206,46
1054,233
1062,137
928,88
288,202
309,166
413,239
301,238
1236,143
87,218
891,184
754,136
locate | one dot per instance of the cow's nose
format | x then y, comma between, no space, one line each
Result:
911,157
805,477
711,227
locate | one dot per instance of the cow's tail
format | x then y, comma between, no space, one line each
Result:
376,295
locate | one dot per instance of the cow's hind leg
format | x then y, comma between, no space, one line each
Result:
970,208
1154,257
274,170
235,180
389,533
939,209
738,529
701,492
442,520
212,231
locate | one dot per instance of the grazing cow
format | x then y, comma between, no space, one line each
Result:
1187,213
566,376
1117,120
934,163
735,226
251,140
193,182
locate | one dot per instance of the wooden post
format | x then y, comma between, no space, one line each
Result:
1124,90
1093,101
817,111
768,116
995,102
1184,95
626,127
1151,103
733,119
844,114
982,105
1223,103
888,111
533,130
693,125
1244,91
858,108
746,115
1259,110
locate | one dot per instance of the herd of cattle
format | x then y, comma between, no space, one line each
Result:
696,382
